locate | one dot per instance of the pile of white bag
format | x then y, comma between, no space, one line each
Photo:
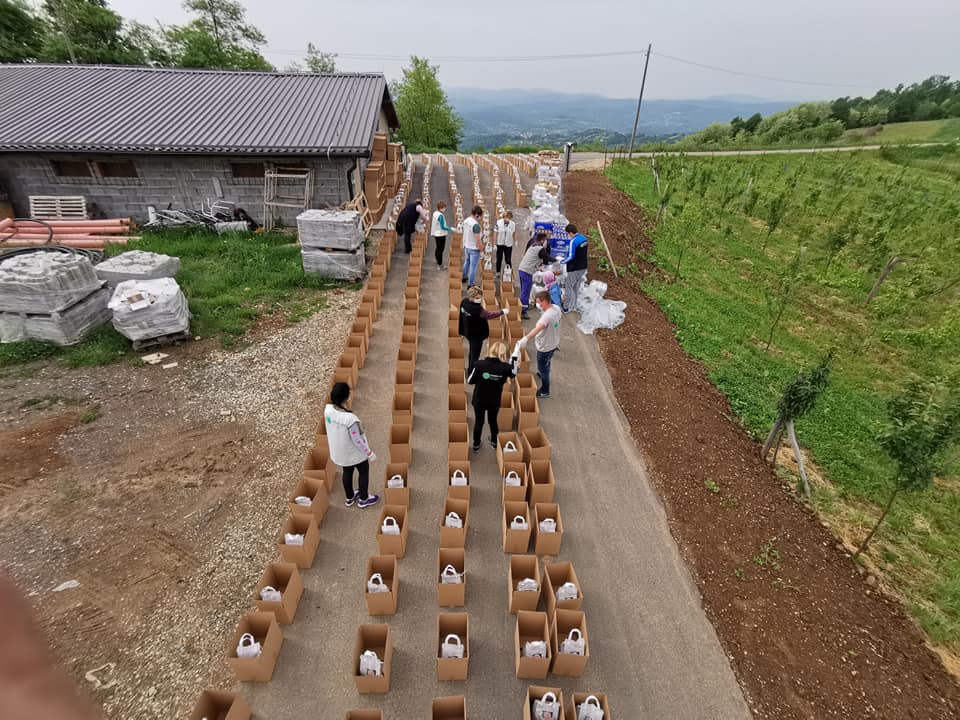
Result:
137,265
331,243
144,309
596,311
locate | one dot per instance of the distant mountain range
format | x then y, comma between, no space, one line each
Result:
543,117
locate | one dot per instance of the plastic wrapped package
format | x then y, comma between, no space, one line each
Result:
63,327
144,309
137,265
330,229
596,311
340,265
45,282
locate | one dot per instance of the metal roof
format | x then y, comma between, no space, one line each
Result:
84,108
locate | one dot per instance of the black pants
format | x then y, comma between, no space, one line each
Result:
474,354
441,243
504,253
363,470
407,237
491,415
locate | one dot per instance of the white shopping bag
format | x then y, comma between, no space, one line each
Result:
450,576
390,526
519,523
270,594
303,500
511,479
567,591
547,707
370,664
590,709
249,648
507,274
376,584
573,644
453,521
509,447
548,525
458,478
528,585
292,539
535,648
395,482
452,647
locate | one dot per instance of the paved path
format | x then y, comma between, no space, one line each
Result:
652,649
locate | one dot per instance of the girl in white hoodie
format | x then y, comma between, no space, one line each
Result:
348,447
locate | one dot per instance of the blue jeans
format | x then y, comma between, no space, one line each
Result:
543,367
526,284
471,259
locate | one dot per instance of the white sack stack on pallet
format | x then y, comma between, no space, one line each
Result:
331,243
145,309
137,265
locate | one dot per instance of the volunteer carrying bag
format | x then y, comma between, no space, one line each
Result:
453,521
270,594
390,526
303,500
567,591
376,584
249,648
528,585
292,539
573,644
519,523
547,707
511,478
590,709
370,664
548,525
451,648
458,478
535,648
450,576
395,482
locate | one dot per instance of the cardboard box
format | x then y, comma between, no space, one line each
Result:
515,541
411,294
407,354
456,365
382,603
397,496
528,412
453,623
371,295
542,481
536,446
393,544
451,594
457,378
400,444
574,703
522,567
531,626
220,705
357,344
411,319
265,630
563,663
459,492
408,336
508,450
365,714
458,447
456,350
505,414
305,525
545,543
454,537
411,304
316,491
286,578
513,493
536,692
449,708
407,365
556,574
361,326
525,385
402,408
367,310
379,639
455,295
317,464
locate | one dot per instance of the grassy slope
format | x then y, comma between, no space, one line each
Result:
229,281
721,312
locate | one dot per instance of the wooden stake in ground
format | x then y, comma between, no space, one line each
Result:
607,248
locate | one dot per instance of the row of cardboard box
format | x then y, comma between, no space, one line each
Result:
383,174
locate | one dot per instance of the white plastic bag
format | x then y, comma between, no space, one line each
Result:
590,709
595,310
548,525
567,591
519,523
376,584
249,648
535,648
458,478
507,275
573,644
509,447
292,539
512,479
453,521
528,585
390,526
270,594
547,707
303,501
395,482
452,647
450,576
370,664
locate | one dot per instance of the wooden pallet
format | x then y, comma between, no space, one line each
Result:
58,207
161,341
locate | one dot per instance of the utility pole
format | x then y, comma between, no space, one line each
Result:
636,118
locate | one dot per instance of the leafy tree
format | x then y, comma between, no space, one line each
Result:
924,423
779,297
219,37
751,123
320,62
21,32
87,31
427,119
153,44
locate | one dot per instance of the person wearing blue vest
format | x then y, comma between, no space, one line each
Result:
576,262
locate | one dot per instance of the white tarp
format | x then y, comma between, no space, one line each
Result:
144,309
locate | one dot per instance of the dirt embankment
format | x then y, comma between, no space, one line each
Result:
808,637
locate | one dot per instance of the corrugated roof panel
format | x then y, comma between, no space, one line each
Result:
129,109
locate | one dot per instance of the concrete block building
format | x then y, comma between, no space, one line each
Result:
130,137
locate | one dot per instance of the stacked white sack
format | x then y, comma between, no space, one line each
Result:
144,309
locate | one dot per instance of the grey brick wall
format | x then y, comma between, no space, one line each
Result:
184,181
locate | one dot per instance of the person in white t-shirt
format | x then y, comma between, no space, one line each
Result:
506,234
439,230
472,237
547,334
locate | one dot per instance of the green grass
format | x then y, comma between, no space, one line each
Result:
230,282
903,204
908,132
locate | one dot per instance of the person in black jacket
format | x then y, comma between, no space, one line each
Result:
407,223
473,323
489,376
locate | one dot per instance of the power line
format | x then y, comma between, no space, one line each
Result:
753,75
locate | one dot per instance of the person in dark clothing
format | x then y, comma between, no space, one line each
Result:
407,223
489,376
576,262
473,322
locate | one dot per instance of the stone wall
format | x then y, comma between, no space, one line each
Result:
185,181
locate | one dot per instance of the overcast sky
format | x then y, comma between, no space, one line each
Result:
841,46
